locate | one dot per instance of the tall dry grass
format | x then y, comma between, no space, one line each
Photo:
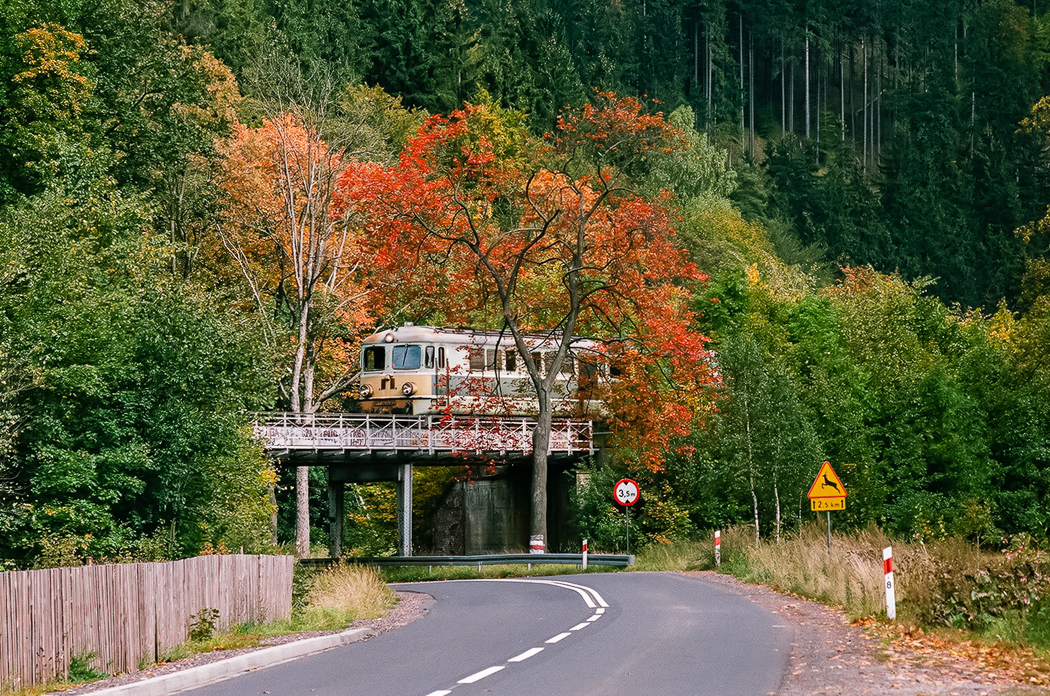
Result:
851,574
357,591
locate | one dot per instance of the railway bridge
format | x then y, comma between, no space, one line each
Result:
362,448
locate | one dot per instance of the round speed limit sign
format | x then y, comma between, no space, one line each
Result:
626,492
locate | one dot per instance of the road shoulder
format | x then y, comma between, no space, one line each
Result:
829,655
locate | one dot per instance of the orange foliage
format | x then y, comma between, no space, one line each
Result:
301,261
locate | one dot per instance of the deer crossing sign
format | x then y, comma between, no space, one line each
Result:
827,491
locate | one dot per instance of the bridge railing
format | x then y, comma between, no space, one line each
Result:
424,434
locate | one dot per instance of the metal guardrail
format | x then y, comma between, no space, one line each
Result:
429,435
603,559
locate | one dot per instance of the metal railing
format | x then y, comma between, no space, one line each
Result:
431,435
602,559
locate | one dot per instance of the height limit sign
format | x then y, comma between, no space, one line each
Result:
626,492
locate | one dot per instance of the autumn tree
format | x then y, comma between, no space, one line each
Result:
298,260
479,223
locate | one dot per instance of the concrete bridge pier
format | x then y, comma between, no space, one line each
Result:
404,508
336,515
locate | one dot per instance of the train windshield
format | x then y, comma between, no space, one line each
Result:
407,357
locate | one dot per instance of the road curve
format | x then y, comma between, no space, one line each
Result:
660,633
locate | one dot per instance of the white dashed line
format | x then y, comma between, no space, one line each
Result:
478,676
579,626
555,639
599,610
595,617
445,692
526,655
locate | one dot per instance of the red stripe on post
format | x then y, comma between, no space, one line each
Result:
887,566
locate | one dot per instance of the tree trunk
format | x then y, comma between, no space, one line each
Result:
864,102
302,511
807,80
783,90
743,94
541,438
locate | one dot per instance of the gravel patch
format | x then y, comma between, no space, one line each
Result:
830,656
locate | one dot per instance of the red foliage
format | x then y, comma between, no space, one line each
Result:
478,224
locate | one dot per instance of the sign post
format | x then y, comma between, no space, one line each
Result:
626,493
826,494
718,549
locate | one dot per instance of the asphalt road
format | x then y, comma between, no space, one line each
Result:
630,634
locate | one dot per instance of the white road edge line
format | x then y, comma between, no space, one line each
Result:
478,676
526,655
555,639
590,595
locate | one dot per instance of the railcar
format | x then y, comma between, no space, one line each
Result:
435,370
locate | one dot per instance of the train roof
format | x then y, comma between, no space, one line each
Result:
410,333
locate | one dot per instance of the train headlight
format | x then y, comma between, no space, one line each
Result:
366,391
408,389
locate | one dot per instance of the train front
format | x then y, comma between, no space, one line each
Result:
399,370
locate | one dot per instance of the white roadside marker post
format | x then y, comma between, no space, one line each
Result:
887,570
585,554
718,549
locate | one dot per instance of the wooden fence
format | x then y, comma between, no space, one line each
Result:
128,615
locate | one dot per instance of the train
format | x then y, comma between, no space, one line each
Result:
431,370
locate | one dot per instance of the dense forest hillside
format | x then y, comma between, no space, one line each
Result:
861,190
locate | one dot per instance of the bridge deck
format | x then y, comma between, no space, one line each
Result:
422,435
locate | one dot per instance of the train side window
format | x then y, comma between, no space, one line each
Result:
491,359
566,365
428,357
375,359
477,359
511,361
441,356
588,371
538,359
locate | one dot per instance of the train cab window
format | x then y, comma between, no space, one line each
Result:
511,360
375,359
407,357
428,357
441,356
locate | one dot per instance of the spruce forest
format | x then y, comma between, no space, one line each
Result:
826,225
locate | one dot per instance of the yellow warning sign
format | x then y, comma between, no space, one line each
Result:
827,486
